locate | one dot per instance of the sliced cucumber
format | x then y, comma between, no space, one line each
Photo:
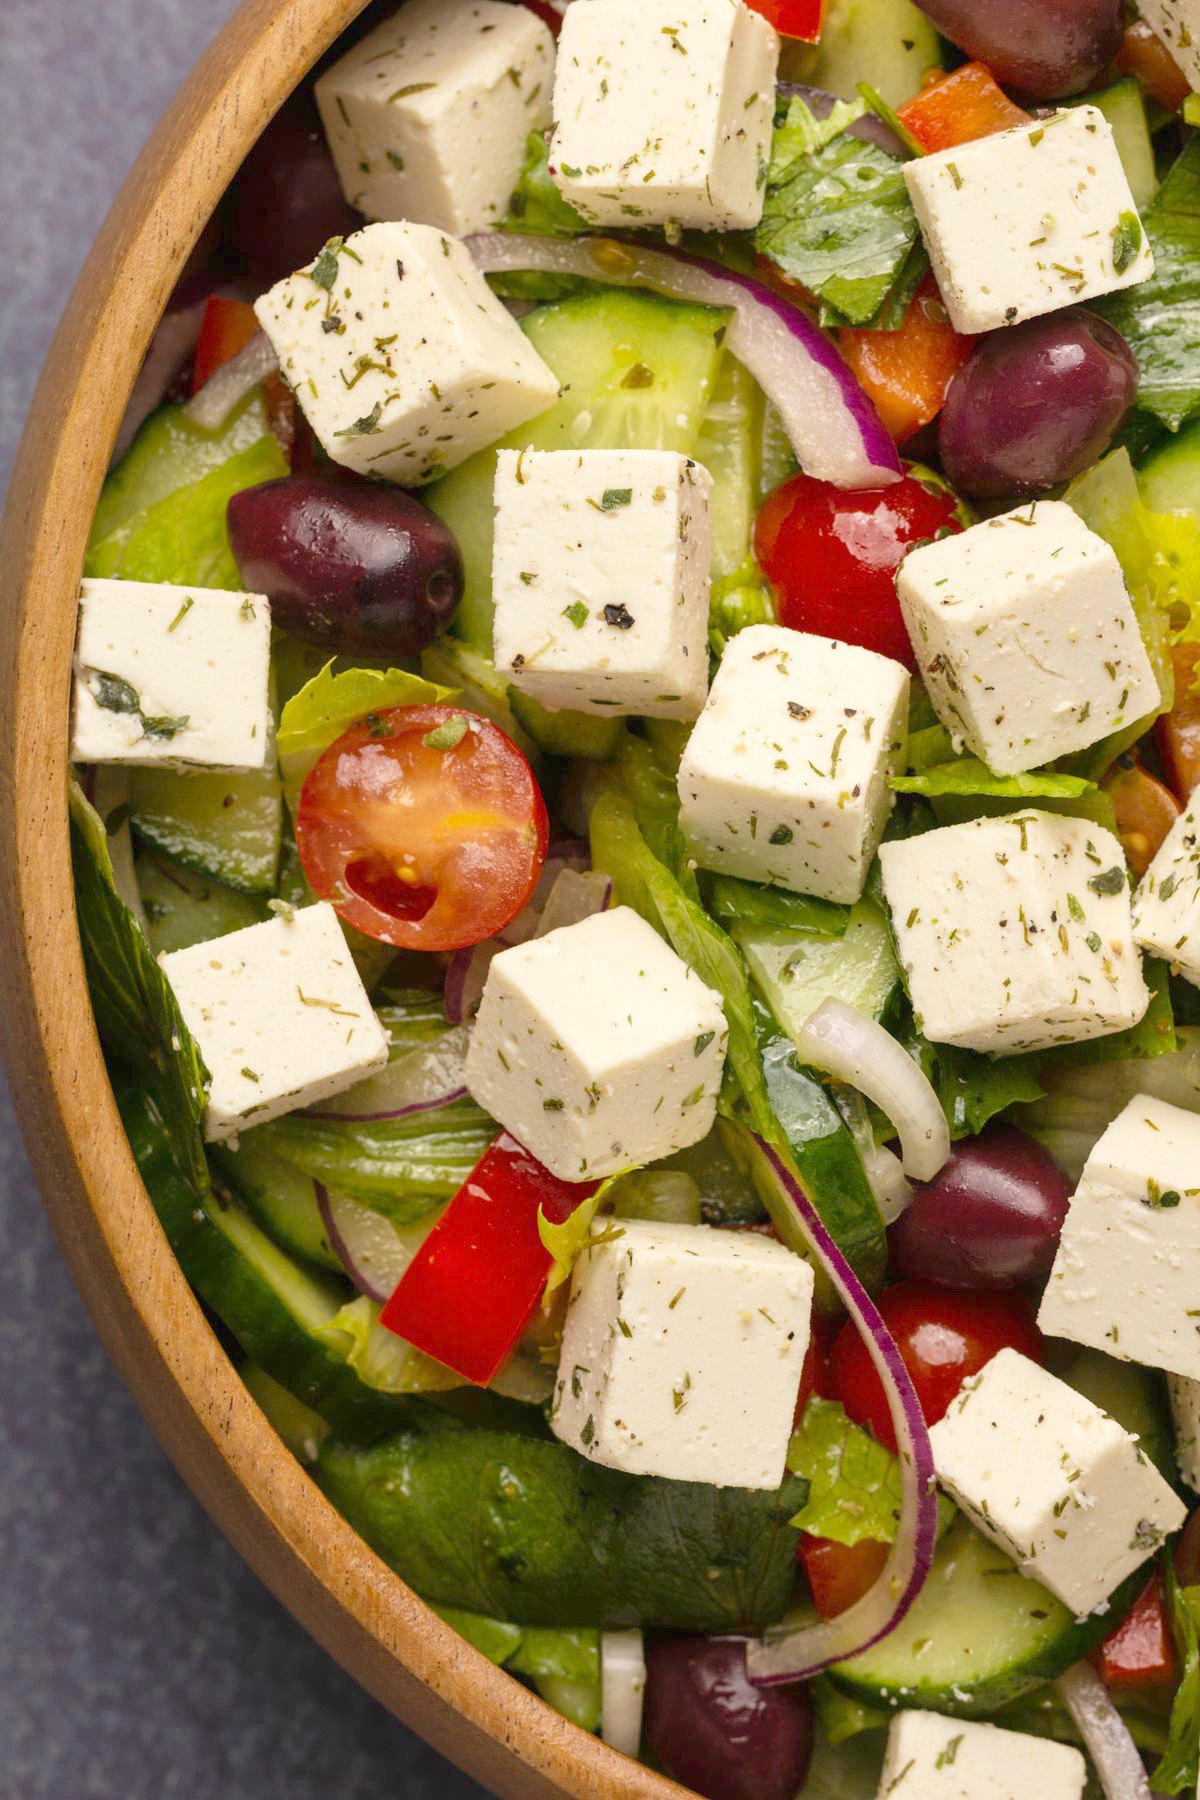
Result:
889,44
1170,475
1132,1395
183,908
566,733
979,1634
227,826
730,447
280,1197
302,1430
636,374
170,451
795,971
1125,110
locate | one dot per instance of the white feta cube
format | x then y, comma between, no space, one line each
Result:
1126,1277
600,579
1025,221
597,1047
1026,636
1185,1411
402,358
1177,23
785,777
176,676
663,112
1015,932
1166,905
280,1015
1052,1480
931,1757
427,115
681,1353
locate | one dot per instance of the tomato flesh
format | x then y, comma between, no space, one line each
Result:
424,826
792,18
942,1338
1140,1653
840,1574
1145,811
831,555
1177,733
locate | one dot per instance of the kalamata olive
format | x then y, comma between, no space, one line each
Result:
1046,48
1187,1552
346,563
1036,403
990,1218
713,1731
286,199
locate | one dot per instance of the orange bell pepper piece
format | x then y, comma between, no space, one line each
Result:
906,372
954,109
1178,731
1145,809
1144,56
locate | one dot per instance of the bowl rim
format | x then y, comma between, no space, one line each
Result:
141,1305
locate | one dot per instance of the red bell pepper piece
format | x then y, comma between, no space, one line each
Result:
840,1574
227,327
1141,1651
792,18
1144,56
472,1287
954,109
906,373
1177,733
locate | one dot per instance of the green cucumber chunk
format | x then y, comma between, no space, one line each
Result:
636,373
302,1430
1124,108
228,827
169,452
888,44
795,971
1132,1395
280,1196
979,1634
184,908
1170,476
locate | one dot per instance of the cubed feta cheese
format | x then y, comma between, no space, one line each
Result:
663,112
931,1757
681,1353
1166,906
427,115
1177,23
1185,1411
1015,932
175,676
785,777
1026,636
1126,1277
600,579
281,1017
1025,221
400,355
1052,1480
597,1047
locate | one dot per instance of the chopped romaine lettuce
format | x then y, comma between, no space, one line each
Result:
536,204
399,1167
1177,1769
330,704
1160,317
853,1480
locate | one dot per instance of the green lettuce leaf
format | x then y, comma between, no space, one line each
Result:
737,902
562,1663
1178,1767
974,1089
537,205
1152,1036
854,1489
567,1241
399,1167
800,132
378,1357
330,704
1083,1099
969,777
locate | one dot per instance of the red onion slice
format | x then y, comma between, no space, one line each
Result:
421,1080
374,1252
622,1689
834,429
232,382
170,347
845,1042
806,1652
1114,1754
466,975
576,895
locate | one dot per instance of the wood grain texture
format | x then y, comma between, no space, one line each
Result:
141,1305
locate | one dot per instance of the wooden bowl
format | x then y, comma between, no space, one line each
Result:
140,1303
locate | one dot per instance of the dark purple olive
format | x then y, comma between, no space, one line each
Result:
286,199
713,1731
1036,403
349,564
990,1218
1046,48
1187,1552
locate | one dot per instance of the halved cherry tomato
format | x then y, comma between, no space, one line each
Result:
1141,1651
831,555
840,1574
942,1338
1177,733
905,373
1145,809
227,327
1144,55
424,826
814,1373
957,108
792,18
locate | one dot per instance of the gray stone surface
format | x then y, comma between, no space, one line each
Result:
139,1658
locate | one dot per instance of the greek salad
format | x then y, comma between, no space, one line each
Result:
636,731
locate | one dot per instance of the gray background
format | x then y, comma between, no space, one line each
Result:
139,1658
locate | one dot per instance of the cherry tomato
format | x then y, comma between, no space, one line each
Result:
1140,1653
942,1337
424,826
792,18
1145,809
831,555
840,1574
814,1374
1177,733
549,15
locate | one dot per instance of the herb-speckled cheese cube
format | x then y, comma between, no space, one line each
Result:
1166,905
1026,636
1058,1485
1028,220
1126,1277
1185,1411
1177,23
401,357
785,777
681,1353
600,579
427,116
598,1047
1015,933
932,1757
280,1015
175,676
663,112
